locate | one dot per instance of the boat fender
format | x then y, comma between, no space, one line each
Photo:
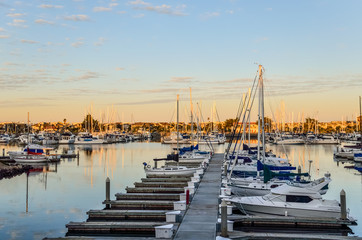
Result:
148,166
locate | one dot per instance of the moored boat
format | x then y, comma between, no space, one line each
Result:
288,200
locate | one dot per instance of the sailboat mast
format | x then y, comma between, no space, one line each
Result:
259,119
177,119
262,108
192,120
28,132
360,119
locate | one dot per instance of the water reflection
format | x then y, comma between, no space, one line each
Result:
64,192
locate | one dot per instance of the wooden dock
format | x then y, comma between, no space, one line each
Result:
159,202
154,202
200,219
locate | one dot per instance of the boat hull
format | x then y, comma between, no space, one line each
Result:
30,159
285,210
172,172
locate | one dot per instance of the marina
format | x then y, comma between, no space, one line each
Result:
93,165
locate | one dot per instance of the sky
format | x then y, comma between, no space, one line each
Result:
127,60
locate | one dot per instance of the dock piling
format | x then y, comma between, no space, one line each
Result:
224,232
187,197
343,205
3,152
299,170
108,187
225,170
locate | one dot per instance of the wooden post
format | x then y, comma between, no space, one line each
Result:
343,205
108,186
224,225
299,170
155,164
187,197
225,170
3,152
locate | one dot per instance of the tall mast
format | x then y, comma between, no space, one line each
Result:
177,124
360,119
262,108
192,120
259,113
28,133
249,96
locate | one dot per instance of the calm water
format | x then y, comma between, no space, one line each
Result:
66,191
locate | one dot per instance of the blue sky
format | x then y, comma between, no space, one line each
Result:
58,58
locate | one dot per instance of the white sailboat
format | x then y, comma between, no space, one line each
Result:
174,170
31,154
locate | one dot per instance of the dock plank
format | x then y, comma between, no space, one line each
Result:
200,219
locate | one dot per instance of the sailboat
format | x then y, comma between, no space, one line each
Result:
31,153
249,166
174,170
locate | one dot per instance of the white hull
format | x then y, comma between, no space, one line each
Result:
257,209
66,141
99,141
171,172
30,159
245,191
290,142
175,141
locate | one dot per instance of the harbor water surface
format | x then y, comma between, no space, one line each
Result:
61,193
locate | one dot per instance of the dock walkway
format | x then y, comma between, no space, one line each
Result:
200,219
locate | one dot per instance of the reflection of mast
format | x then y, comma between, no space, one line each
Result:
27,190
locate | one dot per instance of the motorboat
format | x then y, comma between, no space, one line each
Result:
67,138
87,138
174,138
288,139
324,139
288,200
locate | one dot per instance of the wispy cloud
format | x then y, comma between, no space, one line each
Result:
102,9
100,41
141,15
164,90
166,100
77,44
2,29
13,15
88,75
119,69
18,23
42,21
88,92
50,6
181,79
11,64
113,4
162,9
208,15
28,41
4,36
262,39
77,18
